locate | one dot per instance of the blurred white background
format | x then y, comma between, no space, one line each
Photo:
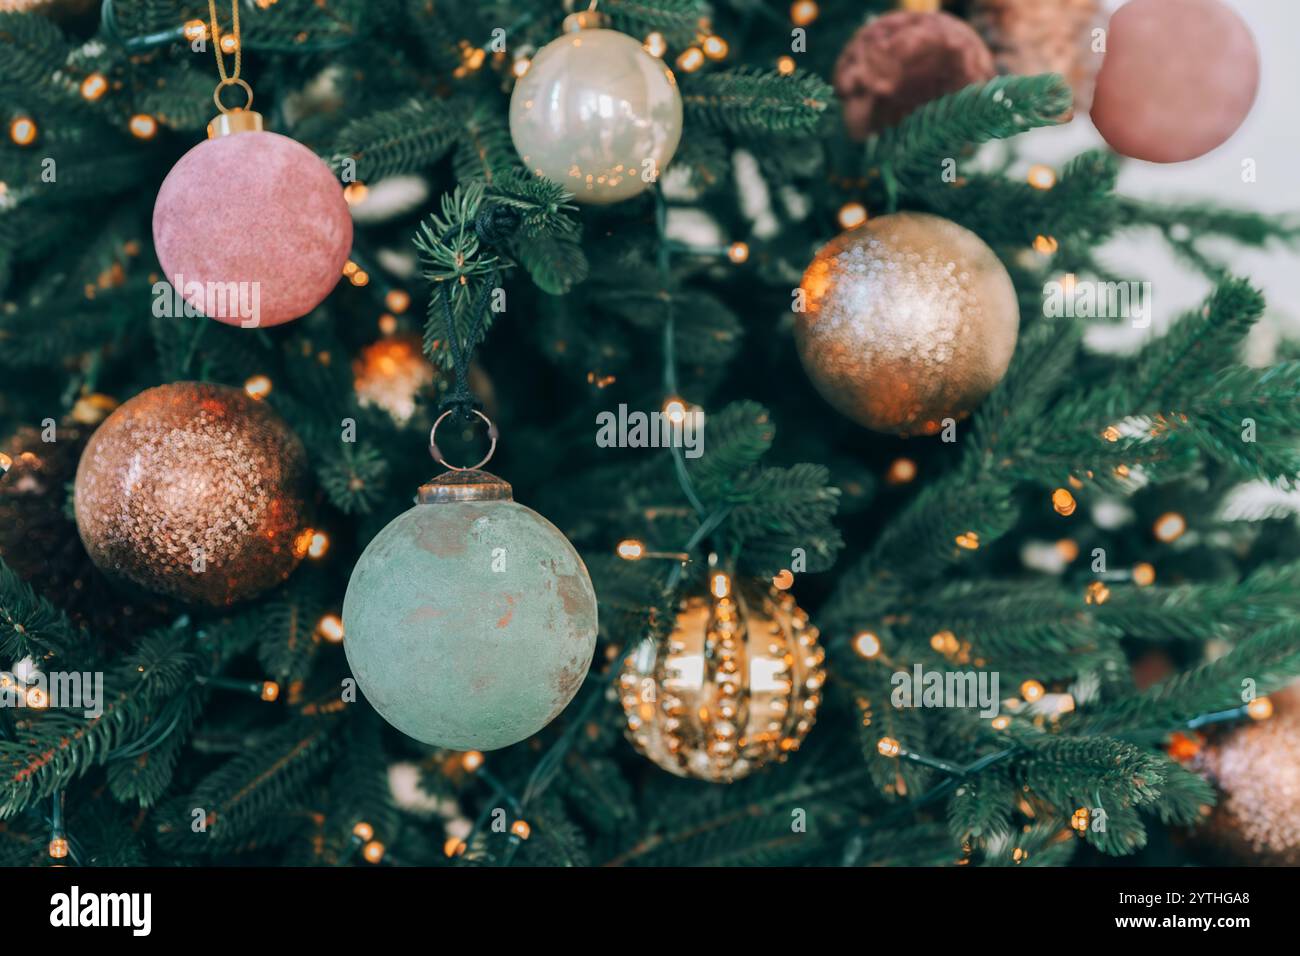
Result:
1270,136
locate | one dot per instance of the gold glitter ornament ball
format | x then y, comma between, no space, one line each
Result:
905,321
195,491
735,687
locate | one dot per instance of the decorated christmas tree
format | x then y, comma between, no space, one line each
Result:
638,432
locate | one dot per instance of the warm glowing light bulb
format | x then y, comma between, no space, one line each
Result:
1144,574
738,252
521,829
945,642
373,851
229,43
630,549
1001,722
803,12
454,846
94,86
270,690
22,131
655,44
690,59
901,471
397,300
1032,690
330,627
360,277
354,193
852,215
675,410
58,848
1183,747
258,386
363,831
715,48
350,268
1079,819
888,747
1041,177
196,30
318,545
1170,526
866,644
1261,708
1063,502
785,65
472,760
1045,245
520,66
783,580
143,126
719,585
1096,593
969,540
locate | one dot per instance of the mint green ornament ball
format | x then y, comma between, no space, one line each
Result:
470,620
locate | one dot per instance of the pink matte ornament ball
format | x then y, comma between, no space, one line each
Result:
258,210
1178,79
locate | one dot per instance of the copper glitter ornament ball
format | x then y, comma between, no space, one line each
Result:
1257,768
906,321
1177,80
195,491
903,60
736,686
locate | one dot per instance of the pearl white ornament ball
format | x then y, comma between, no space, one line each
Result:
597,114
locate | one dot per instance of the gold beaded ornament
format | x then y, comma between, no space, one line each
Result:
735,686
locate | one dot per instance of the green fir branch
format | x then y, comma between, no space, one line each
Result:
757,103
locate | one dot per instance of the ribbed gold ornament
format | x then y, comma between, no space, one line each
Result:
735,687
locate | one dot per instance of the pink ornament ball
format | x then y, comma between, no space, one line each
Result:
1178,79
252,229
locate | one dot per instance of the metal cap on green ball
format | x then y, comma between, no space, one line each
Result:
465,484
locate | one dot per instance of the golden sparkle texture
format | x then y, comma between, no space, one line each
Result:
908,319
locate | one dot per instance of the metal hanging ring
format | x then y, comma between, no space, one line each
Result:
234,81
437,455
